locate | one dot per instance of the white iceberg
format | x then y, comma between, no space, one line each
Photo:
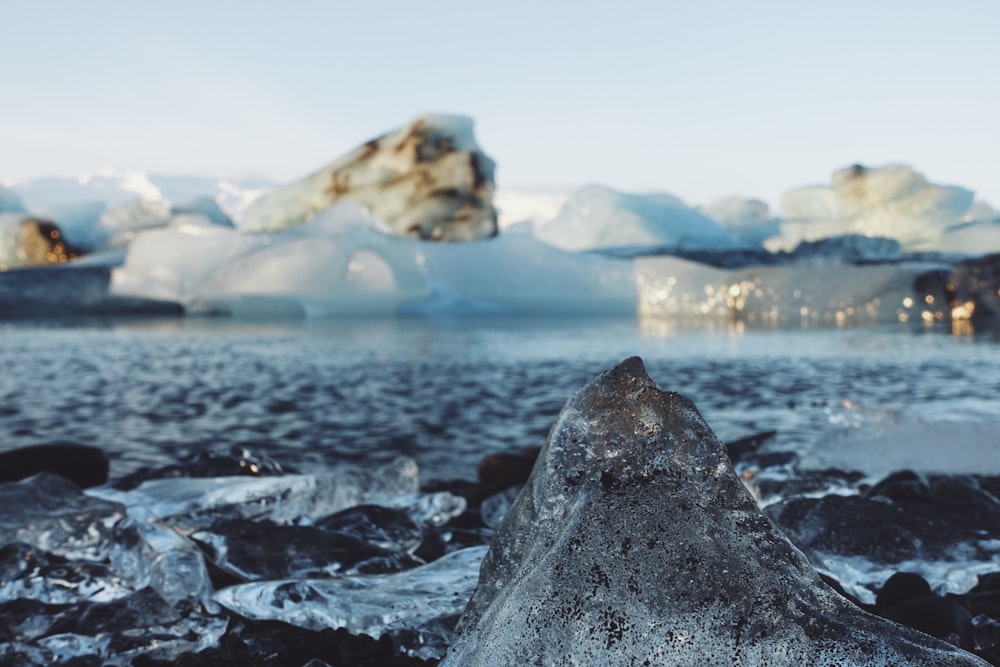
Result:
425,599
517,207
429,178
108,204
598,217
894,202
748,220
10,202
345,262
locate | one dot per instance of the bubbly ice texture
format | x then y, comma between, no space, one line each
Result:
633,540
426,599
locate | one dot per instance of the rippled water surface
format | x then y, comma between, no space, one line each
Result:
447,391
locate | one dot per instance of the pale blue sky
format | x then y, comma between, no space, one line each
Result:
700,99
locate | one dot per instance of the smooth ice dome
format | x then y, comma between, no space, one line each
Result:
429,179
598,217
634,543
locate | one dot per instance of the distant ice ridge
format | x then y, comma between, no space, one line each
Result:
343,261
893,201
598,217
97,209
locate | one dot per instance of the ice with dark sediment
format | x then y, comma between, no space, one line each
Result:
634,542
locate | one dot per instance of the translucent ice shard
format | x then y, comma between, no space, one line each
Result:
53,515
494,508
418,599
155,555
433,509
239,496
598,217
259,550
26,573
384,527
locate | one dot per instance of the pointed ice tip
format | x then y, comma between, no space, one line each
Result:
632,366
618,384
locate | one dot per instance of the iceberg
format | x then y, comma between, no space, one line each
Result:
345,262
748,220
526,207
822,292
893,201
429,179
10,202
598,217
105,206
342,261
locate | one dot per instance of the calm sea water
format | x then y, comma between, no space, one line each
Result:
447,391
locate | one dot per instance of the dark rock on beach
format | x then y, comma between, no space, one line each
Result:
634,543
907,598
903,517
83,465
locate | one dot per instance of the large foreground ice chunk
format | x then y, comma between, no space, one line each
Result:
597,217
429,179
634,543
